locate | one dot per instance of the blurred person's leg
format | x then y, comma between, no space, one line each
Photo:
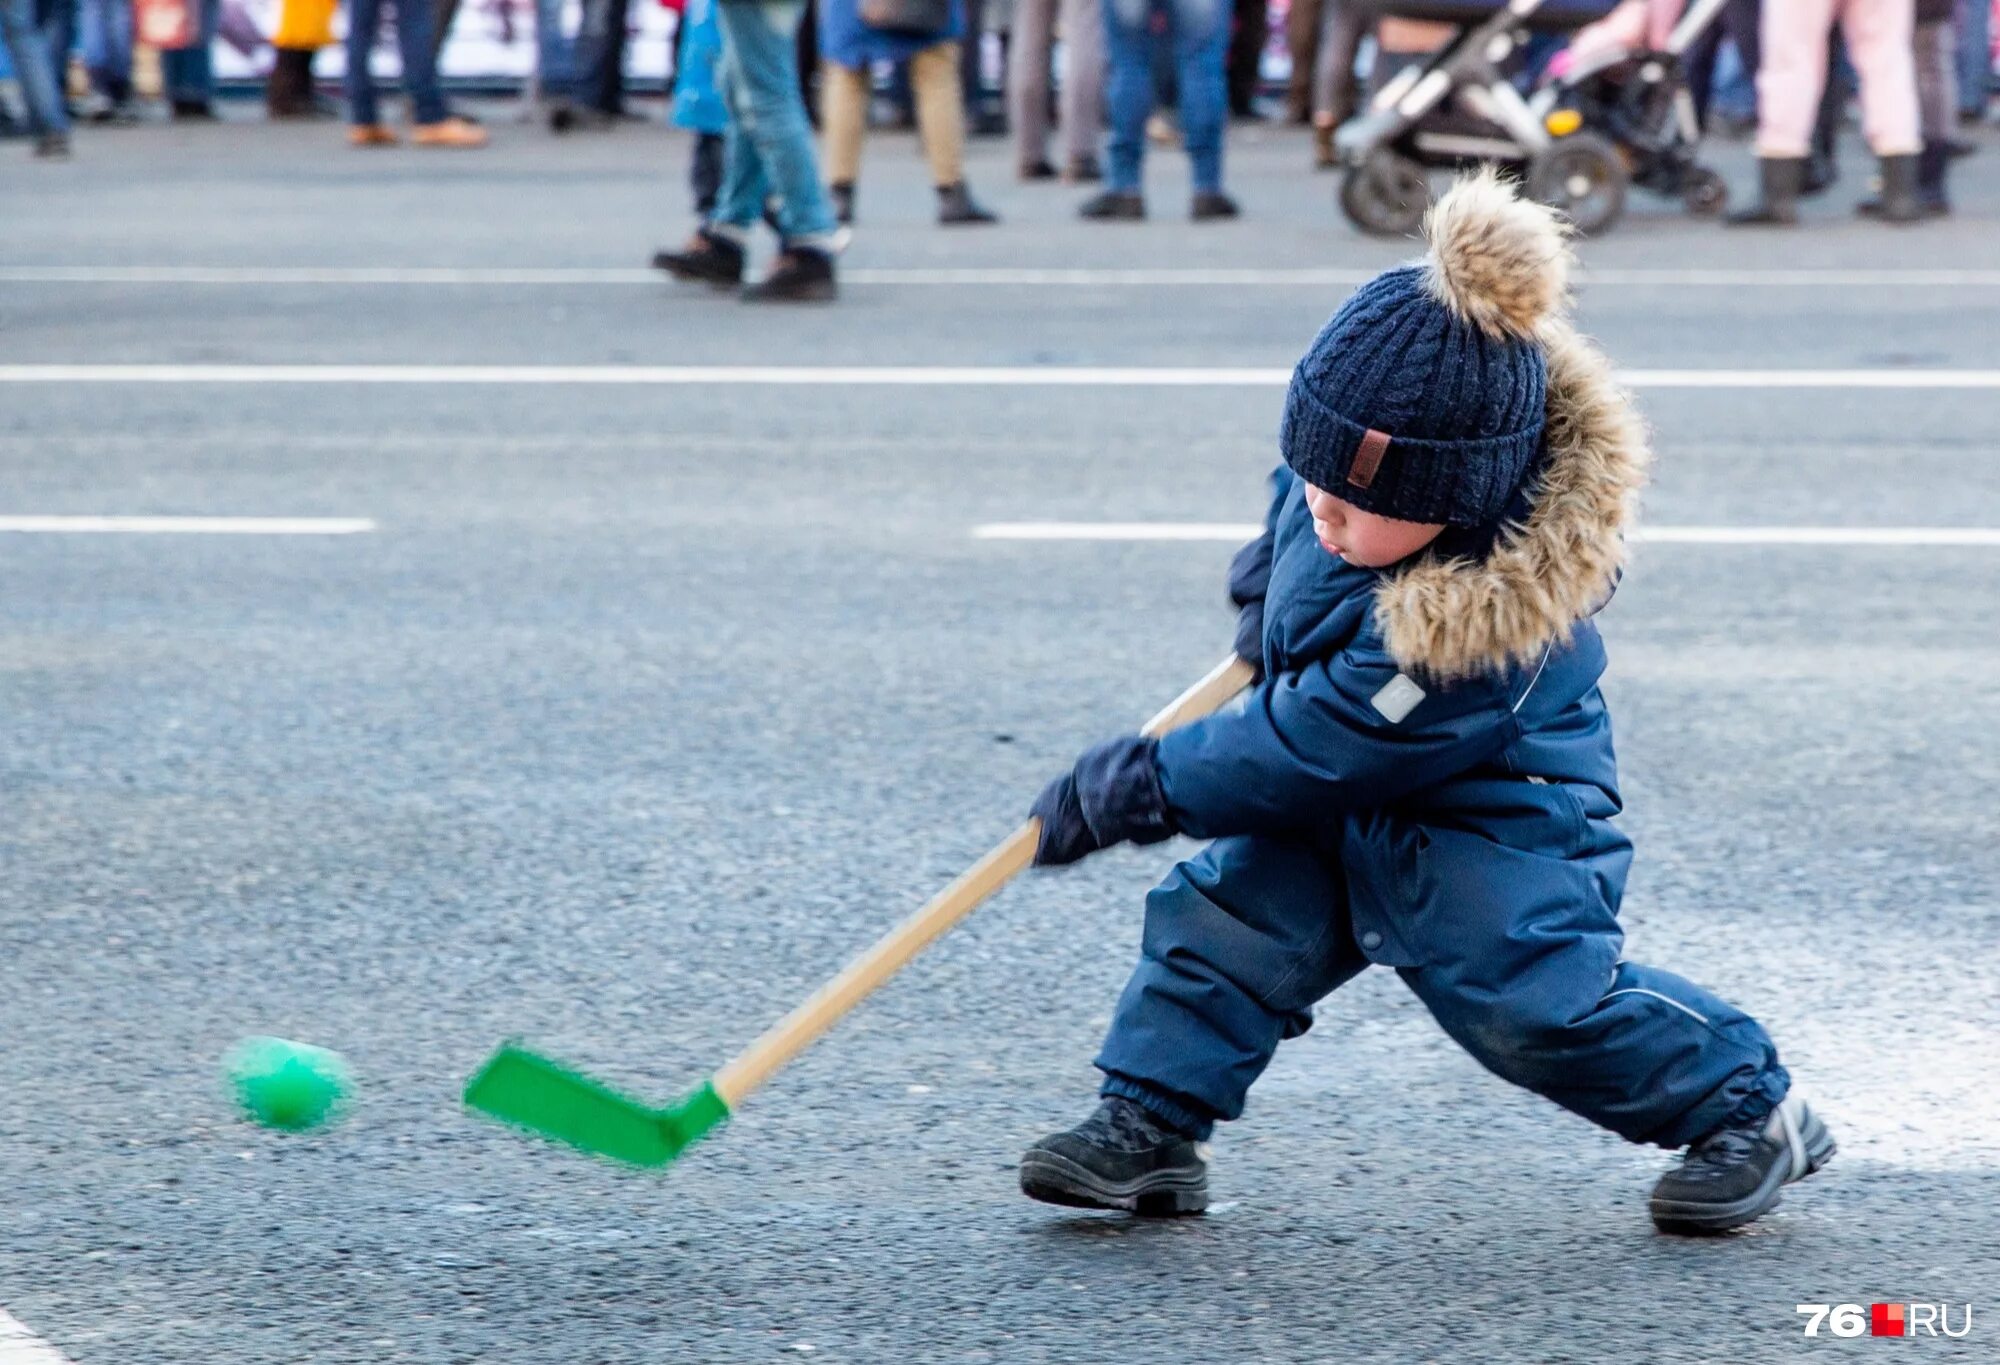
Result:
554,54
1334,96
1201,46
770,143
107,49
705,169
28,50
1823,164
364,18
1975,57
1243,59
1028,87
1302,37
940,101
303,28
843,116
934,76
1793,75
600,56
58,23
420,80
1128,43
1937,105
1081,99
187,73
1790,82
444,13
1881,43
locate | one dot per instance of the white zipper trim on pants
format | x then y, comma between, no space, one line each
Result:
1641,990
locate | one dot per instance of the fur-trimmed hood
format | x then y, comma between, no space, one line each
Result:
1452,617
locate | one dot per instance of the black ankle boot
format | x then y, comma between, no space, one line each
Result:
1897,200
708,258
843,202
1121,1157
1780,178
1210,205
801,274
956,207
1932,166
1735,1175
1114,205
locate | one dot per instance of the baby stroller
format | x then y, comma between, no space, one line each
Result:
1620,118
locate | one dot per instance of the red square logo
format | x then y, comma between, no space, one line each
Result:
1885,1320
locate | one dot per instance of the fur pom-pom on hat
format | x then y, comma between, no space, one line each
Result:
1499,261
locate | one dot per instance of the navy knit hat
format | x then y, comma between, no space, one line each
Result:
1423,398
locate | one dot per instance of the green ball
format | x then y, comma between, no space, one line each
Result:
288,1085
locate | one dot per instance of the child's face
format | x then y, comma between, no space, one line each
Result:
1368,540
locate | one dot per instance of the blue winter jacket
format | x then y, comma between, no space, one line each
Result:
1436,726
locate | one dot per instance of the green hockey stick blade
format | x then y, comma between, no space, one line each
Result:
530,1091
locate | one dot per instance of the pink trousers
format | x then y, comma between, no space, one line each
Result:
1879,41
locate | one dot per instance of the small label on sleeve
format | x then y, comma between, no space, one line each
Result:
1398,698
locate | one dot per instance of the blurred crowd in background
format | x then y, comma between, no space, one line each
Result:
779,93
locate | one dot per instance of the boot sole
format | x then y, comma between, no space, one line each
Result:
1055,1179
1701,1220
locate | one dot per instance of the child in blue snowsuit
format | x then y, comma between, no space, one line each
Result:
1423,779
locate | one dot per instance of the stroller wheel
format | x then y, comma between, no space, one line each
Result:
1705,193
1583,177
1386,195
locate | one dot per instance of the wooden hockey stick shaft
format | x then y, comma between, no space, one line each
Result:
791,1035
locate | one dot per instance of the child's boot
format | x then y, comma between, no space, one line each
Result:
1735,1175
1121,1157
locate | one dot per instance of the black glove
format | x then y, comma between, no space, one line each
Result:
1249,577
1112,796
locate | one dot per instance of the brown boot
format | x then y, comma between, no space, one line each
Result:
1324,156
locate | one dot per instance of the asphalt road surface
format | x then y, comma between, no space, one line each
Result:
641,706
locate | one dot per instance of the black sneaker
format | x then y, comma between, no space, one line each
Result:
1735,1175
707,259
1114,206
1121,1157
801,274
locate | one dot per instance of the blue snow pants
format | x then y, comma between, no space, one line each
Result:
1241,940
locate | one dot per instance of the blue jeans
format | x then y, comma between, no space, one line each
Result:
768,148
1975,55
187,73
1199,31
28,49
553,52
107,47
413,40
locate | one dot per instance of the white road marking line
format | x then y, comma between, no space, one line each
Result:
1236,532
19,1346
994,276
913,376
206,526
